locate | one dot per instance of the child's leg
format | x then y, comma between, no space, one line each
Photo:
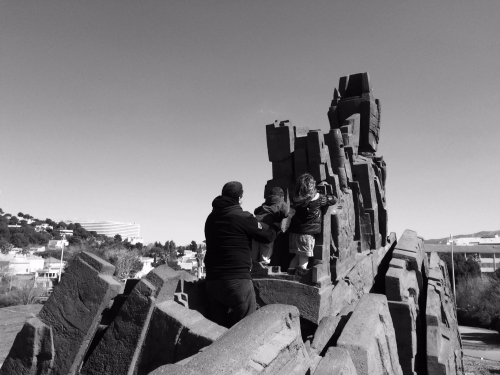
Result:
302,261
255,251
266,250
295,261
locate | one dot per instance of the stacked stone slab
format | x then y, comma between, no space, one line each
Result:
55,342
129,345
343,165
267,342
404,283
444,346
368,303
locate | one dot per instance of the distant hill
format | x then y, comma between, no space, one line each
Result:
477,234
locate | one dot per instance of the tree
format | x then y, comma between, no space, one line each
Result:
193,246
127,263
62,225
463,267
118,238
13,220
23,223
19,240
29,292
5,246
20,214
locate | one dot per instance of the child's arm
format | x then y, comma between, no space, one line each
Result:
284,210
327,200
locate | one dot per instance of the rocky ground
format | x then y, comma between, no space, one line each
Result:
477,366
12,319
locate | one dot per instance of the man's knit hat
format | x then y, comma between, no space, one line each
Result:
233,189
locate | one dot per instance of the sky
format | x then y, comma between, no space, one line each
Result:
140,111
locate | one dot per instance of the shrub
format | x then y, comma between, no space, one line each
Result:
478,301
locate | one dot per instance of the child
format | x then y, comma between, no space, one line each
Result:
307,220
273,210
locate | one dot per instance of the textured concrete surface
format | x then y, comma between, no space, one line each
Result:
266,342
370,338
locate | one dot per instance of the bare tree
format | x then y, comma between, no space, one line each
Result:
126,262
29,292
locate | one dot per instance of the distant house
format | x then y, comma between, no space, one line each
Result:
37,249
57,244
64,232
189,261
51,269
43,227
22,264
147,266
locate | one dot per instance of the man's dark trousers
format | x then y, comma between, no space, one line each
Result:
237,295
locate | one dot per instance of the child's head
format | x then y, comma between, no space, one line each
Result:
277,191
306,187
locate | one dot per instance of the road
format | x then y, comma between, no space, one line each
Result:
480,343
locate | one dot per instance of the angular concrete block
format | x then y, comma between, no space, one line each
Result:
364,174
283,168
369,124
280,140
406,326
336,361
313,302
357,85
175,333
443,345
316,147
32,351
300,161
119,350
411,248
400,283
329,329
266,342
74,310
353,123
370,339
318,171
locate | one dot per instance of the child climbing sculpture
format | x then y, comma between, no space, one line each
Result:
273,210
306,222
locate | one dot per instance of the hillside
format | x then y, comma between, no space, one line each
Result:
12,319
477,234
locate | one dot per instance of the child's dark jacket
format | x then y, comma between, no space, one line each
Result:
273,210
307,218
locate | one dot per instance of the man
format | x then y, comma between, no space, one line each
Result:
228,232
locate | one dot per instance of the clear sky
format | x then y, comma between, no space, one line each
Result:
139,111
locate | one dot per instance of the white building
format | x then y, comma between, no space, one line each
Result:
110,228
43,227
57,244
20,264
51,269
486,254
147,266
189,262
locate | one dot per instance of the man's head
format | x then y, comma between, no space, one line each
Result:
234,190
277,191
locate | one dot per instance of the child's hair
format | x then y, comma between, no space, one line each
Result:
305,190
277,191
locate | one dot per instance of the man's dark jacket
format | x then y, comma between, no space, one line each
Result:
228,232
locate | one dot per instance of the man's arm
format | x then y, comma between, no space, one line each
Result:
262,232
